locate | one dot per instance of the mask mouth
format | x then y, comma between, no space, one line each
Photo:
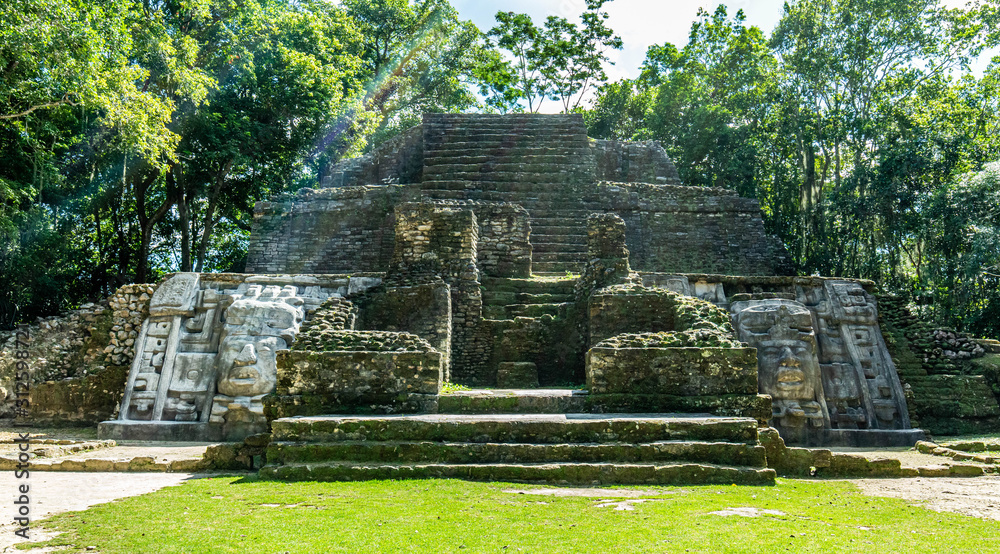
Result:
791,378
244,375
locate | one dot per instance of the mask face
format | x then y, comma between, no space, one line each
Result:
782,369
255,330
787,364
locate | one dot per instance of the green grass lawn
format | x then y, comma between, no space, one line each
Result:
234,514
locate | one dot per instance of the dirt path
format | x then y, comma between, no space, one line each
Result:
971,496
57,492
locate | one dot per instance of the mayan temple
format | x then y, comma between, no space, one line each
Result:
502,297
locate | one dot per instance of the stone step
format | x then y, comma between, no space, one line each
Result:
550,286
435,130
543,298
487,137
517,428
541,227
510,192
510,311
491,158
395,452
505,298
573,152
565,244
480,120
543,257
546,176
515,191
575,220
556,268
561,473
495,167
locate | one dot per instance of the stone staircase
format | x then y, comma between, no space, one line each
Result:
534,320
543,162
578,449
509,298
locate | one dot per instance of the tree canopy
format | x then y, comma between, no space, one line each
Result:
138,134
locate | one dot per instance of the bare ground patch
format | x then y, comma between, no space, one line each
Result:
971,496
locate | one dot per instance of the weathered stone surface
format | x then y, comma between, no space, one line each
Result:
828,383
492,453
544,163
631,308
544,429
795,462
672,371
207,351
603,474
517,375
311,383
782,333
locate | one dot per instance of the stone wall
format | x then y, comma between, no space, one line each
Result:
636,309
335,230
78,361
634,162
398,160
503,249
369,381
552,344
422,309
440,242
79,401
672,371
545,164
694,230
205,355
953,383
129,308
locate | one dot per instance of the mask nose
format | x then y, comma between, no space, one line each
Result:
247,356
788,357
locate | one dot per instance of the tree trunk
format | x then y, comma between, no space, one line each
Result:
183,200
146,223
210,219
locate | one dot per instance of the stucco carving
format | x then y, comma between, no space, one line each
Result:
207,353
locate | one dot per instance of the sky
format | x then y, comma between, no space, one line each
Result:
640,23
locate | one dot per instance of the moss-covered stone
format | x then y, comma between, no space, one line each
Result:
632,308
672,371
326,339
691,338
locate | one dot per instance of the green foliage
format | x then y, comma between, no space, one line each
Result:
140,134
560,60
853,127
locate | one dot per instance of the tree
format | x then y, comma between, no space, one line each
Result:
416,56
561,60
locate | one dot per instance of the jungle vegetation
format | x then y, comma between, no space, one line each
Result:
136,135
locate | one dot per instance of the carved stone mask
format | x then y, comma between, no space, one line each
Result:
257,325
782,368
786,348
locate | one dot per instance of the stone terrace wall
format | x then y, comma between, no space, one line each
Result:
504,247
953,382
398,160
440,240
545,164
694,230
369,381
336,230
79,360
630,162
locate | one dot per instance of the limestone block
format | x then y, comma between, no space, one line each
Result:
672,371
175,296
517,375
